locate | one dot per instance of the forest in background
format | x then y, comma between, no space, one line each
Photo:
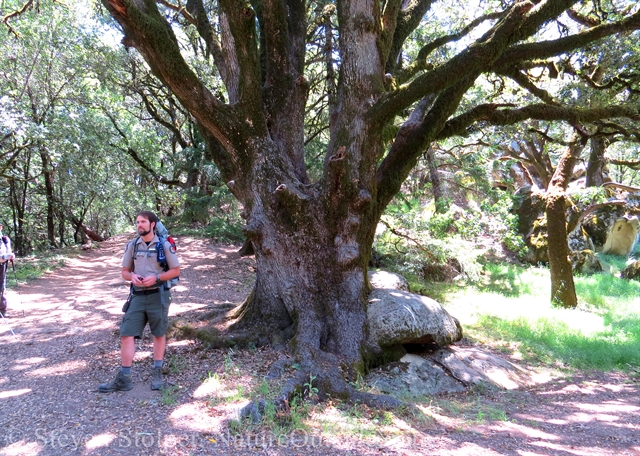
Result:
89,136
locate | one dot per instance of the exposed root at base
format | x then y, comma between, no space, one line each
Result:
211,337
317,384
222,330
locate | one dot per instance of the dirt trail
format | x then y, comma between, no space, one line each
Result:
67,343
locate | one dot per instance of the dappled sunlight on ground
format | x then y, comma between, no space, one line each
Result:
20,447
13,393
67,342
101,440
64,368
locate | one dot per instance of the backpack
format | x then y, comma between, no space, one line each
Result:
163,236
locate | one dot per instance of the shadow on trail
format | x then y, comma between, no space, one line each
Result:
594,414
67,343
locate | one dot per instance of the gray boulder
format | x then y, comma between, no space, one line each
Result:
449,370
622,236
413,376
398,317
473,365
385,279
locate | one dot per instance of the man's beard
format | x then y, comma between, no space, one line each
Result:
143,233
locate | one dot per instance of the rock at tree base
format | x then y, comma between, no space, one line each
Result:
413,376
447,370
397,317
389,280
632,271
473,365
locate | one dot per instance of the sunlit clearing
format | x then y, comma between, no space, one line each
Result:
100,440
6,394
468,308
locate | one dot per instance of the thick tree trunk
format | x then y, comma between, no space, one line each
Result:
301,292
311,254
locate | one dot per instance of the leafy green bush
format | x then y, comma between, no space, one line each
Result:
413,237
584,197
218,214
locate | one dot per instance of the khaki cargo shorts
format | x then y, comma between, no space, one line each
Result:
146,309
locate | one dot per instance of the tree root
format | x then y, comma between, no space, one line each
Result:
235,335
210,336
317,382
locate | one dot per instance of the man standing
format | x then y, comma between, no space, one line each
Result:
149,301
6,255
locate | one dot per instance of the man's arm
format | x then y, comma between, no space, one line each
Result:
130,276
170,274
151,280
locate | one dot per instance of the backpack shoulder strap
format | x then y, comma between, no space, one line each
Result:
162,259
134,246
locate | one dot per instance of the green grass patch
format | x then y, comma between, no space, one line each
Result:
169,395
33,267
554,342
510,310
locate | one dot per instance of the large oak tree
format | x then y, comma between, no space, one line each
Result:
312,237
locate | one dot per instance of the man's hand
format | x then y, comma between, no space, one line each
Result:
148,281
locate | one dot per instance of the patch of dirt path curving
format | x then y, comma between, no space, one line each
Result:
66,343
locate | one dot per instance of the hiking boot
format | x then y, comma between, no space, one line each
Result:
156,378
122,382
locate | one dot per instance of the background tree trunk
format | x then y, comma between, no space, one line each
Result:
562,286
48,176
597,162
436,185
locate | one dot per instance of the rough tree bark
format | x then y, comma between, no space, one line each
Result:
563,290
434,177
48,176
597,162
312,240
